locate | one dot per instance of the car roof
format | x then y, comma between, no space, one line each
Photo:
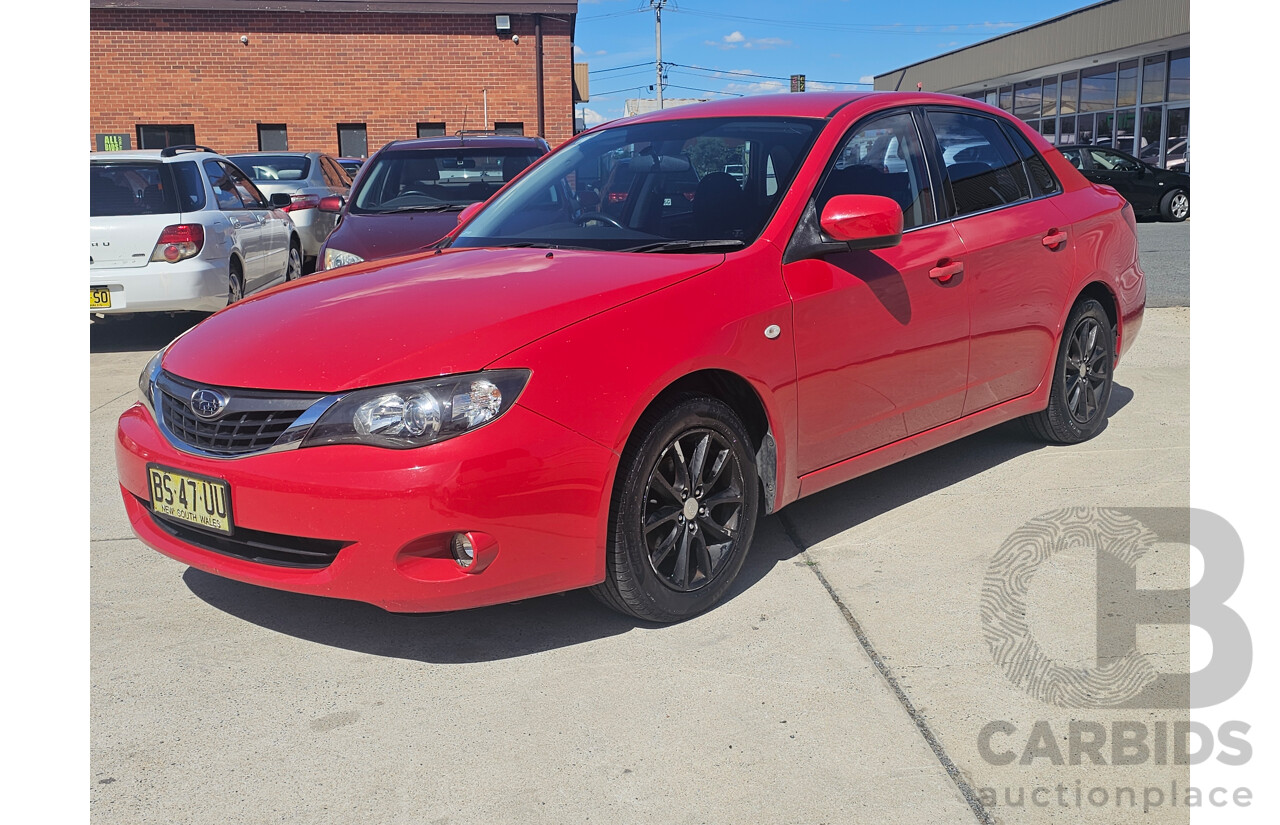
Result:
805,105
150,154
459,141
285,152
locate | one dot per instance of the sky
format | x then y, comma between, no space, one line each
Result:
720,48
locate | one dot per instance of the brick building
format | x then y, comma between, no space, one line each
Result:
339,76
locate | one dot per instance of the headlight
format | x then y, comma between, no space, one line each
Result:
147,380
402,416
336,257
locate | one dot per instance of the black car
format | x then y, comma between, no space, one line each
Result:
1153,191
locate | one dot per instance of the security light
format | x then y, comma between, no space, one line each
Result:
503,23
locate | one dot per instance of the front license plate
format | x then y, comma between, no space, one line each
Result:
197,500
99,297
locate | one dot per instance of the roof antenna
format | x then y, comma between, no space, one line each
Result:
463,131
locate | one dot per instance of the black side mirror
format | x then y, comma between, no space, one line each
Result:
280,200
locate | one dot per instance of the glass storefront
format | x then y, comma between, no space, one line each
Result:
1138,106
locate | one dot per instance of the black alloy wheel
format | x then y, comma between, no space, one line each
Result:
684,511
1082,380
692,509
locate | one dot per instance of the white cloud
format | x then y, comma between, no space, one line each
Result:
578,51
866,78
737,39
591,117
763,87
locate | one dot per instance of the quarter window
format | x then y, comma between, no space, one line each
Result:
884,157
982,169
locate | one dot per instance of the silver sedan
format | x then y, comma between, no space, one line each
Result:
306,177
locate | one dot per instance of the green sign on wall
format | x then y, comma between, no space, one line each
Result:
112,143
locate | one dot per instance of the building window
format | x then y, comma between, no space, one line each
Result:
1127,84
353,142
508,128
1051,96
158,137
1098,88
1070,94
272,137
1006,98
1153,79
428,130
1180,75
1027,100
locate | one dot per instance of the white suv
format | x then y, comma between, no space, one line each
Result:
179,229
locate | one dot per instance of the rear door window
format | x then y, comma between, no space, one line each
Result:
131,188
1042,180
983,171
224,188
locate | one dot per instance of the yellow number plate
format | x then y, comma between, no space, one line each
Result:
99,297
197,500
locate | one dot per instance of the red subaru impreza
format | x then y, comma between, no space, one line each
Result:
561,397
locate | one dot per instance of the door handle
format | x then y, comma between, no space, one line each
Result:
944,271
1054,239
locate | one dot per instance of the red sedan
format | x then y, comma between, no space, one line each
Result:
559,397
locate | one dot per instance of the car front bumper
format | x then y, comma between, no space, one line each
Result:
196,284
535,488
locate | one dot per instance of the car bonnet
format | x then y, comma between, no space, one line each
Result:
415,317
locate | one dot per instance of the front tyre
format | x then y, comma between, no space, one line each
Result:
293,268
684,511
1082,378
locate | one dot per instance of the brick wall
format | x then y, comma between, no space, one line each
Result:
314,71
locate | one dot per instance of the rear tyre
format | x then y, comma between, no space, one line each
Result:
1082,379
1176,206
683,512
293,269
235,284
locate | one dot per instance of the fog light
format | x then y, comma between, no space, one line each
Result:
463,551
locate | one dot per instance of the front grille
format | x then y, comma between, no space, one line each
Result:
253,421
255,545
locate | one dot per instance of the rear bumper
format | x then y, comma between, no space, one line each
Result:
195,284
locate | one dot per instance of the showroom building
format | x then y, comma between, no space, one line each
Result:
337,76
1116,73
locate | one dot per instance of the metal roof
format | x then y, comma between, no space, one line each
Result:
349,6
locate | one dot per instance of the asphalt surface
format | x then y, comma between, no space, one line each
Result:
1165,252
846,679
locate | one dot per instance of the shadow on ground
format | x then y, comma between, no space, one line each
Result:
140,333
550,622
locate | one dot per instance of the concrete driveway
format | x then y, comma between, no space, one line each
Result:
847,679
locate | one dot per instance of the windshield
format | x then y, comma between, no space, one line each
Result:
669,186
424,180
272,168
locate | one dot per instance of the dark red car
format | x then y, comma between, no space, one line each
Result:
410,193
560,397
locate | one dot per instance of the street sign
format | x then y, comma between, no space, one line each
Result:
112,143
797,83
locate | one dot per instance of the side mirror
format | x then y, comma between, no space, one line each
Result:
863,221
465,214
332,203
589,199
280,200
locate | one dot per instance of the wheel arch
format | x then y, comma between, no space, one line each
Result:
741,396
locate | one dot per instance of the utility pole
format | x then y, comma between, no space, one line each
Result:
657,16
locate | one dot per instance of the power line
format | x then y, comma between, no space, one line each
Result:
722,72
920,29
616,68
709,91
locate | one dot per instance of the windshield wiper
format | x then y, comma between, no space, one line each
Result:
685,246
435,207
